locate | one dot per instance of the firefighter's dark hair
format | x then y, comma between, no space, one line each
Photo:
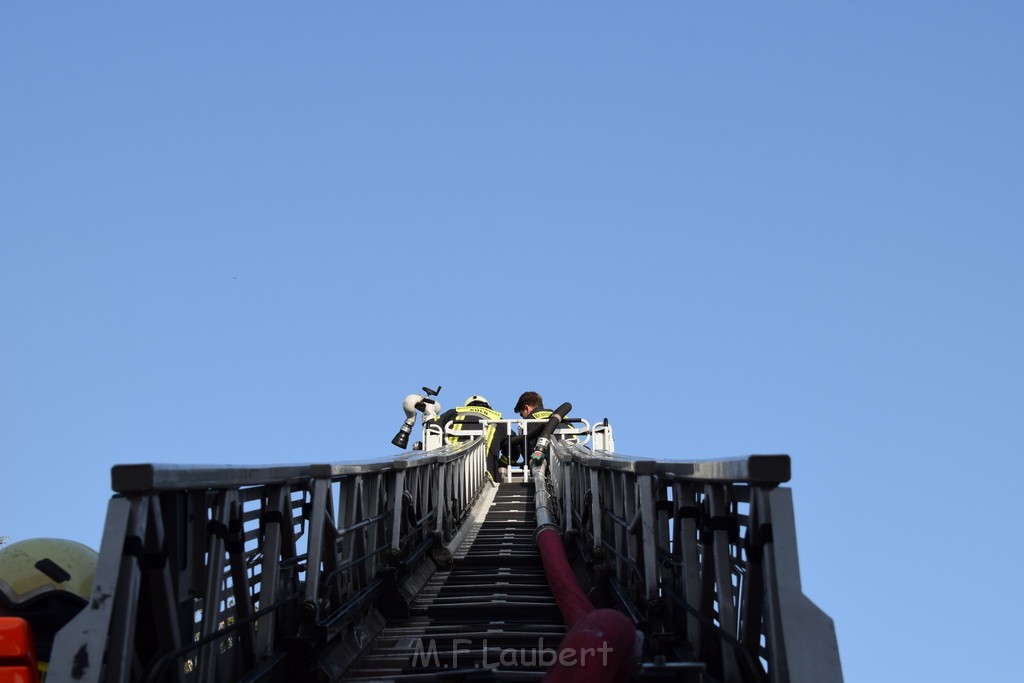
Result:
529,398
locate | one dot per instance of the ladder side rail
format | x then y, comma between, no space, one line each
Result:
691,547
409,503
444,484
716,573
617,539
572,486
238,544
384,521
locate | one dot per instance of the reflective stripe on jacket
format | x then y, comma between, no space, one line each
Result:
470,417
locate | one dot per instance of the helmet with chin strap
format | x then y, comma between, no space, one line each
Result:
476,399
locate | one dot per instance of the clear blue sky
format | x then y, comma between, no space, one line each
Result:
241,232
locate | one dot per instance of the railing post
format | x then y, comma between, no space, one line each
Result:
274,518
80,646
371,492
723,578
214,579
565,482
619,535
649,542
398,489
315,544
442,501
160,581
685,515
595,510
752,596
331,587
801,638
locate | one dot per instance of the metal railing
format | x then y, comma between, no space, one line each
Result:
702,555
232,573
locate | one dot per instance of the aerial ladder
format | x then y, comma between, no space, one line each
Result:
580,563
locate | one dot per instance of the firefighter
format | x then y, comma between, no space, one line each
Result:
46,582
471,413
531,406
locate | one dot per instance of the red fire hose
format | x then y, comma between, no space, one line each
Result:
600,644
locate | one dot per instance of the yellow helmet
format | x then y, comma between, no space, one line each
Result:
29,569
45,581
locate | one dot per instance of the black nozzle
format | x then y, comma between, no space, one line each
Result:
402,437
